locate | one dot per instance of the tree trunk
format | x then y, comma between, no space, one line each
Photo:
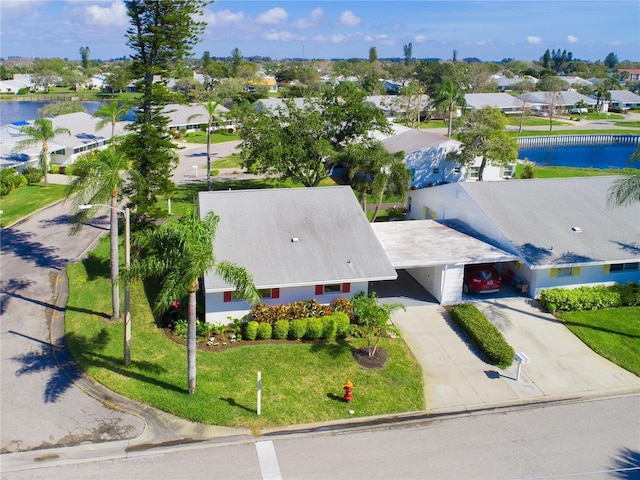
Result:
45,162
209,156
450,121
191,339
115,259
481,169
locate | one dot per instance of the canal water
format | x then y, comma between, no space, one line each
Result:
23,111
583,156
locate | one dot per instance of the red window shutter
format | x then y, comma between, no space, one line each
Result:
275,293
346,287
319,289
227,296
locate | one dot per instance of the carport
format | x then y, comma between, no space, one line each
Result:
435,254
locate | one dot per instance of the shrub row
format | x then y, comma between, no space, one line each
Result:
483,334
313,328
262,313
591,298
10,178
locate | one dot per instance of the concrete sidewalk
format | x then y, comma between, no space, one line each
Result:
457,377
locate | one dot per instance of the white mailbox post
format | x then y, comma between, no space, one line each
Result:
522,359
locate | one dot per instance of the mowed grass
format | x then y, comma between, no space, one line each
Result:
612,333
566,172
25,200
301,382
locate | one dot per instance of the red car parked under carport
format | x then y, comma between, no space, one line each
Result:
481,279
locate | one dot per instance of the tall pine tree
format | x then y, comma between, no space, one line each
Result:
162,34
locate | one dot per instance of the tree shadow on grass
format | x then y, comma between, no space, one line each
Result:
64,371
233,403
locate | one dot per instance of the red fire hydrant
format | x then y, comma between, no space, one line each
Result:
348,391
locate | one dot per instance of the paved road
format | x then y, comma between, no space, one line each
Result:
40,406
585,440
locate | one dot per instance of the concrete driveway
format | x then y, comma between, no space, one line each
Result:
457,376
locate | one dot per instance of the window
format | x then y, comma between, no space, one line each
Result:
623,267
265,292
333,288
456,170
564,272
436,170
474,172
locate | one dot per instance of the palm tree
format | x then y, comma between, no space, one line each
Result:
602,94
374,170
626,190
374,318
447,98
99,179
178,254
211,119
41,132
111,112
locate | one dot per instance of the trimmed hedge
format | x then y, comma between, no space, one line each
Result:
591,298
297,328
483,334
281,329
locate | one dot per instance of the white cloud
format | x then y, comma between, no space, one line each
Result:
222,17
614,43
114,15
420,38
533,40
282,36
338,38
273,16
572,39
350,19
310,21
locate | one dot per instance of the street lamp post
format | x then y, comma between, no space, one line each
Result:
127,288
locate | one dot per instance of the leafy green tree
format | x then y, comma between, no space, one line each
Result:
408,53
373,55
162,34
178,254
300,143
611,60
374,170
482,133
236,60
118,79
41,131
84,56
374,318
433,74
446,99
212,118
100,178
111,112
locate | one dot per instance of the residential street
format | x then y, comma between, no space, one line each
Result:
586,440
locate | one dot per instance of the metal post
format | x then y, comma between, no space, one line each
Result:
259,392
127,288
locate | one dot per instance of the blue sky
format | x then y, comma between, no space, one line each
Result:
489,30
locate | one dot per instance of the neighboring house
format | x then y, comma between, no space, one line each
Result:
505,83
564,101
63,149
633,73
190,118
506,103
267,81
426,158
574,81
562,231
297,243
624,99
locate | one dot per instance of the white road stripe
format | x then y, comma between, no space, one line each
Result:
268,461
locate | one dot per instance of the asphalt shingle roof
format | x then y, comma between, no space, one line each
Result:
295,236
540,217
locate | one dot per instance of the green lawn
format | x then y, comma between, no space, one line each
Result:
26,200
215,137
528,121
612,333
564,172
301,382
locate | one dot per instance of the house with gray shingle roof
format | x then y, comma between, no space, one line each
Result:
562,101
624,99
504,102
562,230
297,243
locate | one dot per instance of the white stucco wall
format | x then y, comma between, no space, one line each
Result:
217,310
541,279
444,282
